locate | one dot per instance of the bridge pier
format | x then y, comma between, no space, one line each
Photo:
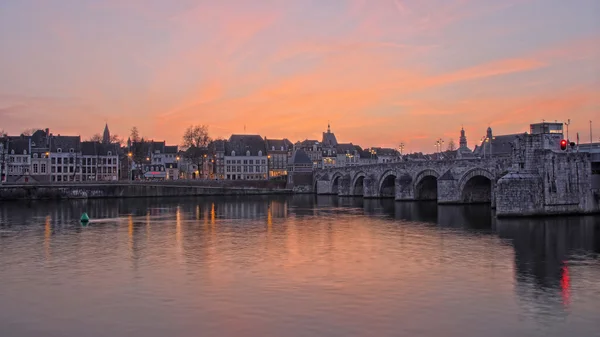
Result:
404,188
345,186
370,187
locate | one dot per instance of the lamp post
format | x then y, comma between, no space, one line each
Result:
268,166
567,124
129,166
439,143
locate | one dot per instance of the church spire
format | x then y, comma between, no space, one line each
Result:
106,135
328,127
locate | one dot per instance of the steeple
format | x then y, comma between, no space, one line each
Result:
106,135
463,138
328,127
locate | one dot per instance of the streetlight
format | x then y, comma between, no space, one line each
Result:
438,144
401,147
129,157
268,165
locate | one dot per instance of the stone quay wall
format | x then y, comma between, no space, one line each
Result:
129,190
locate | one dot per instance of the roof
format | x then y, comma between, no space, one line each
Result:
345,148
300,157
170,149
240,144
19,145
329,139
308,143
65,143
278,144
98,149
218,145
501,145
39,138
381,151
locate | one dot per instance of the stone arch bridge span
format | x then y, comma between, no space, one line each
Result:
448,181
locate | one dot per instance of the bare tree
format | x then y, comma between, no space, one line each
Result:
196,136
3,133
135,134
114,139
28,132
95,138
451,145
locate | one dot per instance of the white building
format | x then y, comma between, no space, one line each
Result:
246,158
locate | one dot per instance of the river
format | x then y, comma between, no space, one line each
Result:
293,266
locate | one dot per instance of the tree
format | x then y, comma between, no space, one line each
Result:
134,135
451,145
28,132
95,138
114,139
2,133
196,139
196,136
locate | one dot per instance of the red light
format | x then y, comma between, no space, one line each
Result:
563,144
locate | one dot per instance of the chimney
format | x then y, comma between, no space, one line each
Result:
47,132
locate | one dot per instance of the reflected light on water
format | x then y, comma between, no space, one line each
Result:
295,266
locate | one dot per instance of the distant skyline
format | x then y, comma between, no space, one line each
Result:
381,72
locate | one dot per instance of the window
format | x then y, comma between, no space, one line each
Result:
43,168
53,178
110,153
35,168
71,169
257,169
59,150
233,153
245,162
35,155
247,153
264,162
71,150
250,169
59,169
53,169
251,162
260,153
58,178
71,160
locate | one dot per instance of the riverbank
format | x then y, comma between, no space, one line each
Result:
102,190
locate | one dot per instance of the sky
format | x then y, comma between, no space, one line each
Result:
382,72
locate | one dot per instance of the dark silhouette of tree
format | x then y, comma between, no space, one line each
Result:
197,140
196,136
451,145
134,134
95,138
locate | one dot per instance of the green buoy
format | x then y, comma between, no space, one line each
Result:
85,218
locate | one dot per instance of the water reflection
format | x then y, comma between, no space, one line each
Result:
353,266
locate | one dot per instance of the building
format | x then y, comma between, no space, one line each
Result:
246,158
463,150
385,155
300,171
347,155
106,135
329,149
278,152
99,161
365,157
313,149
16,159
65,158
495,146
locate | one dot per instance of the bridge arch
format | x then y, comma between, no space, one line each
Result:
425,185
387,184
475,186
334,183
357,187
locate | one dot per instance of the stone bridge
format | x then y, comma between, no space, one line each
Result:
447,181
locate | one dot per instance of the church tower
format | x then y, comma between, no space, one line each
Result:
106,135
463,139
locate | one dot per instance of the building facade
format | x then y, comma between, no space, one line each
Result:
246,158
278,153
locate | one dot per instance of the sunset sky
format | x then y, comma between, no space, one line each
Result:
381,71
